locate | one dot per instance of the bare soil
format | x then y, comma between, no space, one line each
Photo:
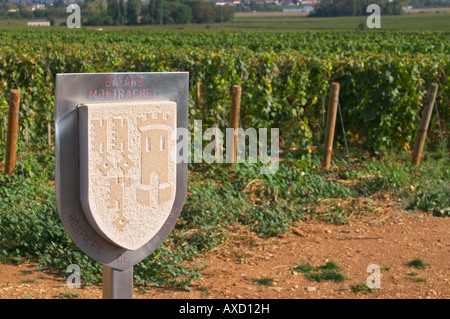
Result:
390,239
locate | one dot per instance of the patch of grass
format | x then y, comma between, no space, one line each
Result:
69,294
362,288
327,275
28,281
205,291
418,279
412,277
336,216
429,189
330,266
265,281
326,272
417,263
305,268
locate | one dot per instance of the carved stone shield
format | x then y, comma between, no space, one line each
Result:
127,168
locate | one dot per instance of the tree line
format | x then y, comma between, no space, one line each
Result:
130,12
337,8
156,12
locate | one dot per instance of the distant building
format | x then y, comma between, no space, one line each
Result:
38,23
38,6
228,3
273,2
304,9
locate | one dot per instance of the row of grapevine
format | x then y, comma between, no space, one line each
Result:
283,84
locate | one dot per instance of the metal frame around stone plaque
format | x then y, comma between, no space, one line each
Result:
75,89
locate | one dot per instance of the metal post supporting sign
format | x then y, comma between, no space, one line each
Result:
120,185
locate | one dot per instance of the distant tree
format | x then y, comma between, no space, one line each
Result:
155,12
112,7
13,15
51,18
394,8
95,13
58,4
225,13
25,13
122,12
133,11
114,12
178,13
204,12
337,8
95,8
39,13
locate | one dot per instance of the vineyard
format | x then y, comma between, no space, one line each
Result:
285,79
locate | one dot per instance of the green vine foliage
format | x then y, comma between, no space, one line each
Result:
285,77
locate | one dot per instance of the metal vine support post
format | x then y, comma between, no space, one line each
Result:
424,123
331,123
13,125
234,115
117,284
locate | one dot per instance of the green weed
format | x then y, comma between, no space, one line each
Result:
70,294
417,263
28,281
265,281
305,268
362,288
326,272
413,277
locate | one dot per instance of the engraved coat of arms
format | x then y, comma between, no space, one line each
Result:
128,168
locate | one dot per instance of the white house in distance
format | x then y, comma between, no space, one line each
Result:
36,6
38,23
273,2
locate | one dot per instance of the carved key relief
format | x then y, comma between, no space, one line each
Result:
131,168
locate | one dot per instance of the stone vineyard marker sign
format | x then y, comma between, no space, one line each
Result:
119,185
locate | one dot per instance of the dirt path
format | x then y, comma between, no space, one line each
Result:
390,240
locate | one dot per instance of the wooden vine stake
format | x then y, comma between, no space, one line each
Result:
217,145
234,115
11,137
49,136
331,123
424,123
198,95
198,100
